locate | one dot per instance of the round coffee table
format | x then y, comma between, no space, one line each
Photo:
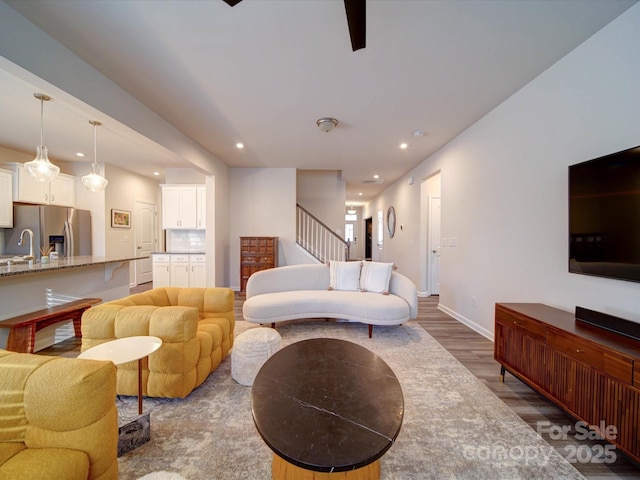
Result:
326,405
123,350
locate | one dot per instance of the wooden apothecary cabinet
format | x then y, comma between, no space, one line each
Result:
256,253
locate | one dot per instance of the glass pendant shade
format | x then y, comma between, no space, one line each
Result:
40,168
94,182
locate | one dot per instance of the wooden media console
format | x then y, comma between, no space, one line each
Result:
593,374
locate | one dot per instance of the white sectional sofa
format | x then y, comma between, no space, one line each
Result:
303,291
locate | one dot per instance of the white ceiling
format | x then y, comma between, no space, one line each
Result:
262,72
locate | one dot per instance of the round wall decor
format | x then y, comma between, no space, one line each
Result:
391,221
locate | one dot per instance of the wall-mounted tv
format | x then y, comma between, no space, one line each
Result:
604,216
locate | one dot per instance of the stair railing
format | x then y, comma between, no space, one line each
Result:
318,239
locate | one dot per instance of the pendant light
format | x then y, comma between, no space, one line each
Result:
94,181
41,168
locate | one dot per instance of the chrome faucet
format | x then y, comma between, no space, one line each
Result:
30,232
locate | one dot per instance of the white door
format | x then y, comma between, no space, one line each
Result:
434,245
145,240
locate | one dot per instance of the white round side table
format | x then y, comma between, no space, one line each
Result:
123,350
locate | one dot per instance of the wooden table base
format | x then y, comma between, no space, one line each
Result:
283,470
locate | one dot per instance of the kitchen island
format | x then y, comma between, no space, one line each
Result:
25,288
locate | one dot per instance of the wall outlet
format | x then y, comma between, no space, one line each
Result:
125,238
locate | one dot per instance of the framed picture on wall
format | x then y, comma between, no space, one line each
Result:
120,218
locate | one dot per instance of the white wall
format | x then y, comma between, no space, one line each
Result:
122,192
184,175
504,186
263,203
399,249
323,193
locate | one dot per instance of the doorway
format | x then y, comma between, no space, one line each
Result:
368,241
145,227
431,241
434,245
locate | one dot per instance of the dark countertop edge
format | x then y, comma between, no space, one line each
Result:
62,264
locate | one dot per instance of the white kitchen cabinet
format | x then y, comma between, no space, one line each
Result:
180,270
201,207
198,271
179,207
6,199
60,191
161,270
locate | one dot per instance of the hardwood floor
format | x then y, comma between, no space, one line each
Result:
475,352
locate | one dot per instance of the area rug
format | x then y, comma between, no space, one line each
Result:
454,426
162,476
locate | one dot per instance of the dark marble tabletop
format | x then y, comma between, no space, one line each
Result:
327,405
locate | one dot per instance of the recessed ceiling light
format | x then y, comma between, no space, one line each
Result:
376,176
360,193
239,145
404,145
156,173
79,154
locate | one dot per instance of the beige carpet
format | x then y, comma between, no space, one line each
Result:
454,426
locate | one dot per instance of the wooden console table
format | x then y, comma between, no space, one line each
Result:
23,328
592,374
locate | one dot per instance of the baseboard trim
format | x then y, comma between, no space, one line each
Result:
464,320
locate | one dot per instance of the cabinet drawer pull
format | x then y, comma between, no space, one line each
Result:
578,350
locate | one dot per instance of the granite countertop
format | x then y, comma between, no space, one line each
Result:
60,264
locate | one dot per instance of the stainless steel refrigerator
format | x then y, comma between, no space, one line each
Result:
67,230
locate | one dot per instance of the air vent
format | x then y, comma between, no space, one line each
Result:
372,180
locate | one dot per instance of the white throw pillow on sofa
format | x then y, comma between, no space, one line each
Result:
344,275
375,277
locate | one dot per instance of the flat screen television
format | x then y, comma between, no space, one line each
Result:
604,216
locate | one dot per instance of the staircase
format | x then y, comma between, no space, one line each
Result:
318,239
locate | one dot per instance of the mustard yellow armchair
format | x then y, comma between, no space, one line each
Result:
196,326
58,418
